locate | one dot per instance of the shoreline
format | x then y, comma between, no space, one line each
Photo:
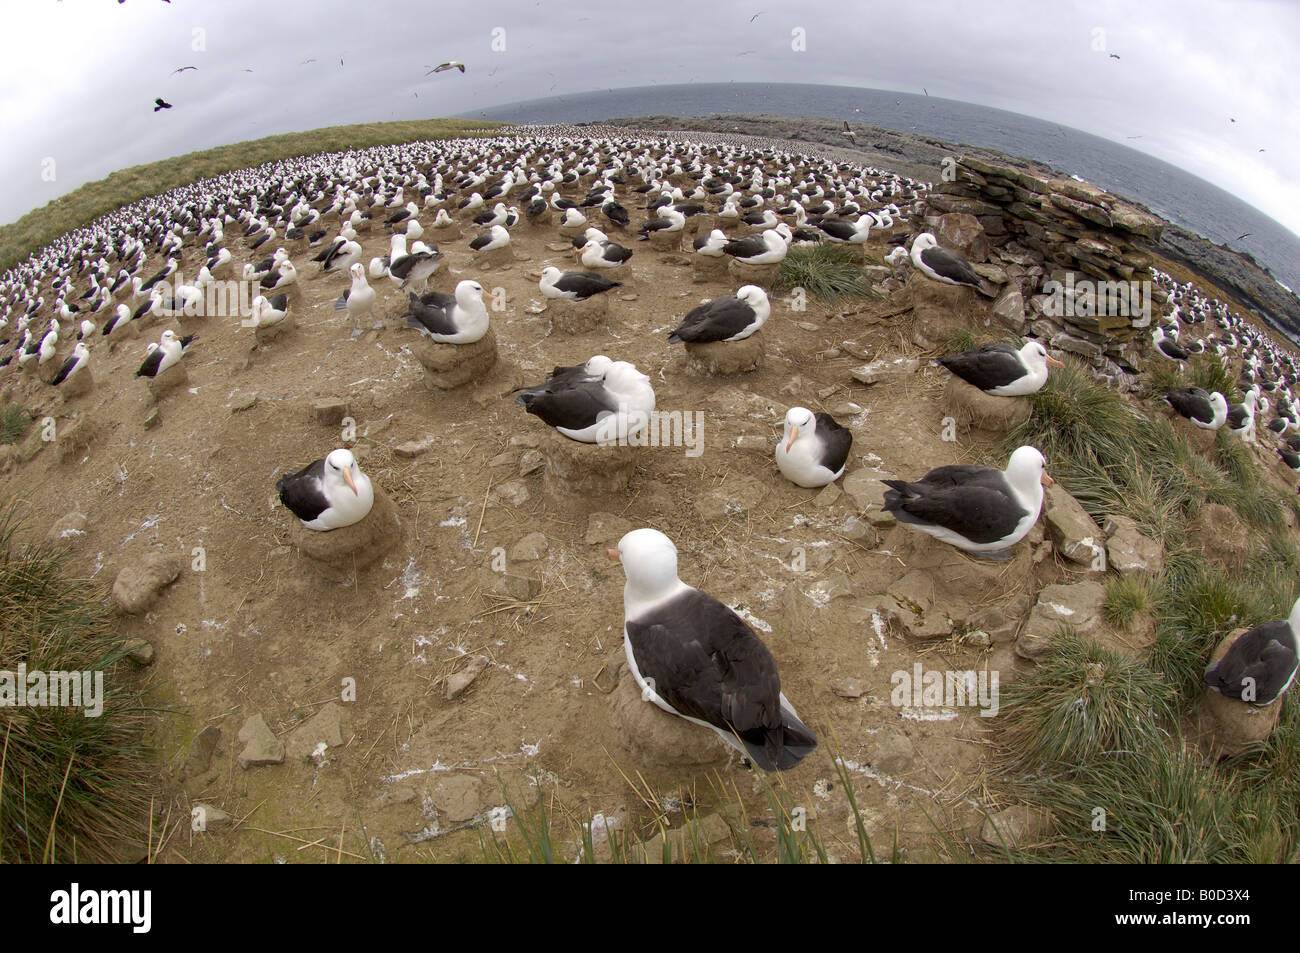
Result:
1251,288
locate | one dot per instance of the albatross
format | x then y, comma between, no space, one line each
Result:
940,264
814,449
1002,370
328,494
461,318
695,658
728,318
1261,664
982,510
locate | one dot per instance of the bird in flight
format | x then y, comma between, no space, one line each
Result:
161,103
443,67
757,15
849,133
183,69
1114,56
1240,237
305,62
924,90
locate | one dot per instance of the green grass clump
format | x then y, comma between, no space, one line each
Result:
1081,701
72,788
1206,371
1074,418
87,203
829,273
14,422
1127,597
1161,805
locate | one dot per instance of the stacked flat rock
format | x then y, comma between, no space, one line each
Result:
1037,229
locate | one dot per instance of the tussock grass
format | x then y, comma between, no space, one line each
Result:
541,836
829,273
1082,701
1074,419
71,787
1161,805
1206,371
14,422
1127,597
82,206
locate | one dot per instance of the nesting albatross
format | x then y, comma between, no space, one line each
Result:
694,657
982,510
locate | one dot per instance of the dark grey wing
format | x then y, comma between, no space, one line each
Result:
716,321
741,247
150,366
64,371
958,475
987,367
573,408
303,492
1265,655
585,283
431,313
950,266
836,442
708,664
981,514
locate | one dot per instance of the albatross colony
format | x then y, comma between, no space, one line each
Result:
486,668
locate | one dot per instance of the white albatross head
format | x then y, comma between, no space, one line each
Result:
649,559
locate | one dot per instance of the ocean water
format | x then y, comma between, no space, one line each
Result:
1178,196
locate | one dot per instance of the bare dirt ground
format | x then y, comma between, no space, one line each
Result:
262,629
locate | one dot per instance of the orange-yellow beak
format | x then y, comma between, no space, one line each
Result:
490,297
1053,362
535,274
612,555
347,478
1047,480
794,432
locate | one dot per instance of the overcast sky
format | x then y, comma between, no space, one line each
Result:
78,77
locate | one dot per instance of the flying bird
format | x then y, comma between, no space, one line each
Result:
183,69
161,103
1241,236
442,67
849,133
1114,56
757,15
